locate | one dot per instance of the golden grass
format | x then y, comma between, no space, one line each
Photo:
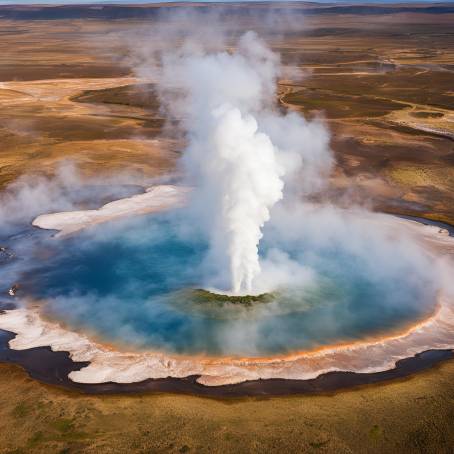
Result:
412,415
408,175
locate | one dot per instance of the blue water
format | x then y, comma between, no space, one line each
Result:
130,283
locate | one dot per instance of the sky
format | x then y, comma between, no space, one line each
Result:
78,2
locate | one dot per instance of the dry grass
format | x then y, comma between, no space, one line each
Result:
408,416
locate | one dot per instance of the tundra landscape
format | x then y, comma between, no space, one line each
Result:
83,111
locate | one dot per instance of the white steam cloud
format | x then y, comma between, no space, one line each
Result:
242,152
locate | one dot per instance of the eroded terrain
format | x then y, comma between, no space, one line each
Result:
383,82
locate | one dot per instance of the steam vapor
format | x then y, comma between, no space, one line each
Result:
242,152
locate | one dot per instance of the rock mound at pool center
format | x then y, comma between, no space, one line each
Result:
205,296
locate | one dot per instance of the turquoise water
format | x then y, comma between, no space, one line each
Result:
130,283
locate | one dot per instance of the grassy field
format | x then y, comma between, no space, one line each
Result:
408,416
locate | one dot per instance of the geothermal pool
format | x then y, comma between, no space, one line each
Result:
345,289
131,284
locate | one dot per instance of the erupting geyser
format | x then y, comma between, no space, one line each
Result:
244,171
241,152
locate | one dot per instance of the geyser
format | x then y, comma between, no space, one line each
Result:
320,276
247,178
241,151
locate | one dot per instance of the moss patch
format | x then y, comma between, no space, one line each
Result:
21,410
63,425
440,177
204,296
375,432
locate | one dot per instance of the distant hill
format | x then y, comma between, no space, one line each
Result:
122,11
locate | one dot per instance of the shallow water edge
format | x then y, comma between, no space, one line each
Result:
52,368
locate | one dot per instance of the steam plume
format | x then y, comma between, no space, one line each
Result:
241,150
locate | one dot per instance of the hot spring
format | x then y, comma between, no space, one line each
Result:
135,284
244,270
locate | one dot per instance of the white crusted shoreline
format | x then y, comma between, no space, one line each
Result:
108,365
155,198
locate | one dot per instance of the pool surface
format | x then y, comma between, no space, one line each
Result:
131,283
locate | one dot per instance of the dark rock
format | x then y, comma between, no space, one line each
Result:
13,290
